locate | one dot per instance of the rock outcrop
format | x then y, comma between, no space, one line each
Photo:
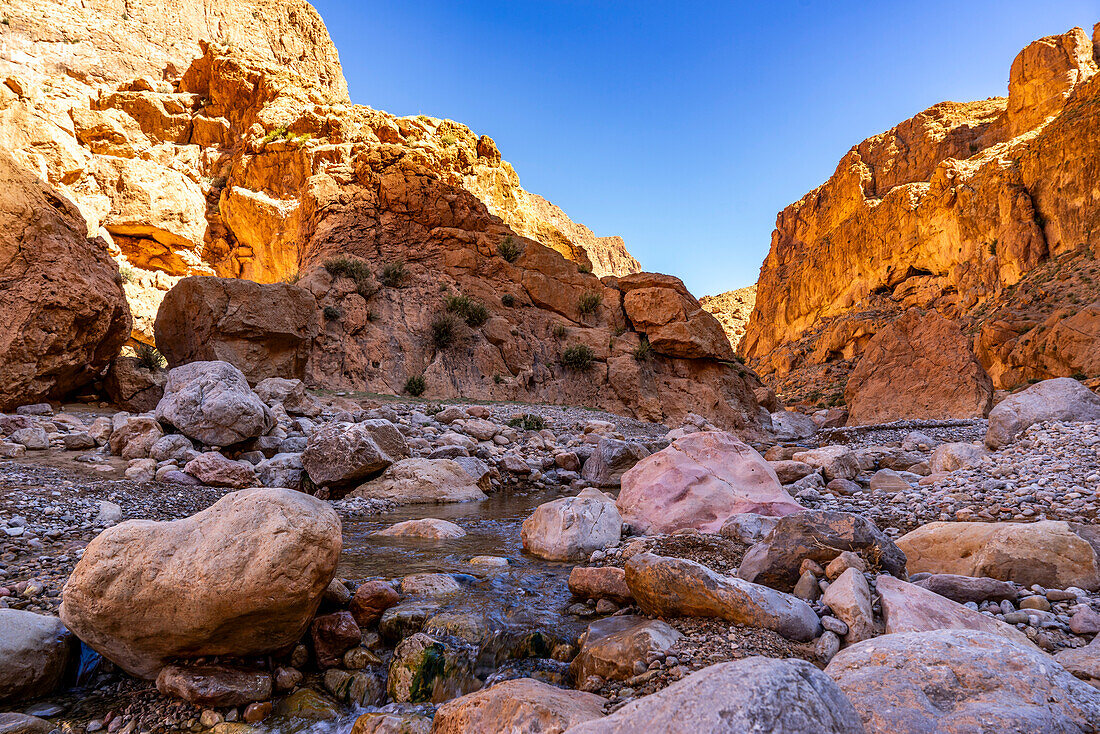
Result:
732,309
982,211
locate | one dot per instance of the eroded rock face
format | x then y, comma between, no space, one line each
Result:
959,682
700,481
211,402
946,211
919,367
262,330
660,307
1047,552
241,578
65,314
753,694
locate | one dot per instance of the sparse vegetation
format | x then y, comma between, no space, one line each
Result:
1080,376
993,247
332,313
559,331
578,357
589,302
126,273
447,140
278,133
415,385
149,358
433,409
472,311
643,351
343,266
528,422
582,268
509,249
498,379
445,329
508,300
393,274
292,277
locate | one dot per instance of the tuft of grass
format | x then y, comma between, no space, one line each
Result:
509,249
582,268
643,351
433,409
415,385
559,331
578,357
332,313
1080,376
393,274
292,278
279,133
149,358
126,273
445,328
528,422
589,302
447,140
472,311
498,379
508,300
343,266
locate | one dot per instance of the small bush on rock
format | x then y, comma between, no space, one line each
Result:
126,273
150,358
643,351
559,331
528,422
332,313
445,328
472,311
509,249
578,357
393,274
508,300
415,385
589,302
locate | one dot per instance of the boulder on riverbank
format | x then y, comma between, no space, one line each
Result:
211,402
1061,399
570,528
34,650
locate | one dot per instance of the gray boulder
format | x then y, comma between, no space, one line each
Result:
211,402
1061,399
610,460
34,650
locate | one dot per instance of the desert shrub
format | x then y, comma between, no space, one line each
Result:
528,422
559,331
578,357
472,311
589,302
331,313
445,329
279,133
498,379
343,266
508,300
433,409
415,385
149,358
292,277
509,249
126,273
582,268
447,140
643,351
393,274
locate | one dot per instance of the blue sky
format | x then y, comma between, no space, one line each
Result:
682,126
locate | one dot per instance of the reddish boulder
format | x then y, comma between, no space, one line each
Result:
333,635
371,599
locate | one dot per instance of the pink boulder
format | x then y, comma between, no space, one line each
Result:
700,481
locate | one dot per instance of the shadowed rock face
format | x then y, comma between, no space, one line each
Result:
948,211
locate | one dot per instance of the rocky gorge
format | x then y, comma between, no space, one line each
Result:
415,453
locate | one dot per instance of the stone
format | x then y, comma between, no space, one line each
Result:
1048,552
611,647
595,582
677,587
263,329
281,470
849,596
967,588
791,471
309,705
173,447
214,685
949,457
78,441
142,470
291,394
673,322
748,527
242,578
339,455
1085,621
571,528
422,481
429,528
379,722
520,706
920,366
371,599
136,437
755,694
65,312
134,387
34,438
611,459
477,469
430,584
700,481
1061,399
12,723
842,563
213,469
959,682
333,635
424,668
34,651
835,462
212,403
1083,662
909,608
820,535
788,425
888,480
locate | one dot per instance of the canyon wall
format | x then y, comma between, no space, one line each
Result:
986,212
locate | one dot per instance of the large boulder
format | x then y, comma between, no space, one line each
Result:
65,312
422,481
34,650
214,470
961,682
570,528
820,535
1061,399
291,394
660,307
699,481
849,596
676,587
133,387
948,457
919,366
520,706
241,578
835,462
909,608
212,403
611,459
339,455
614,645
1049,552
263,329
755,694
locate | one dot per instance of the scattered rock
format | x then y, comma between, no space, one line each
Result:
570,528
212,403
520,706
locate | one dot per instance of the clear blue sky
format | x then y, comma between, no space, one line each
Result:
682,126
